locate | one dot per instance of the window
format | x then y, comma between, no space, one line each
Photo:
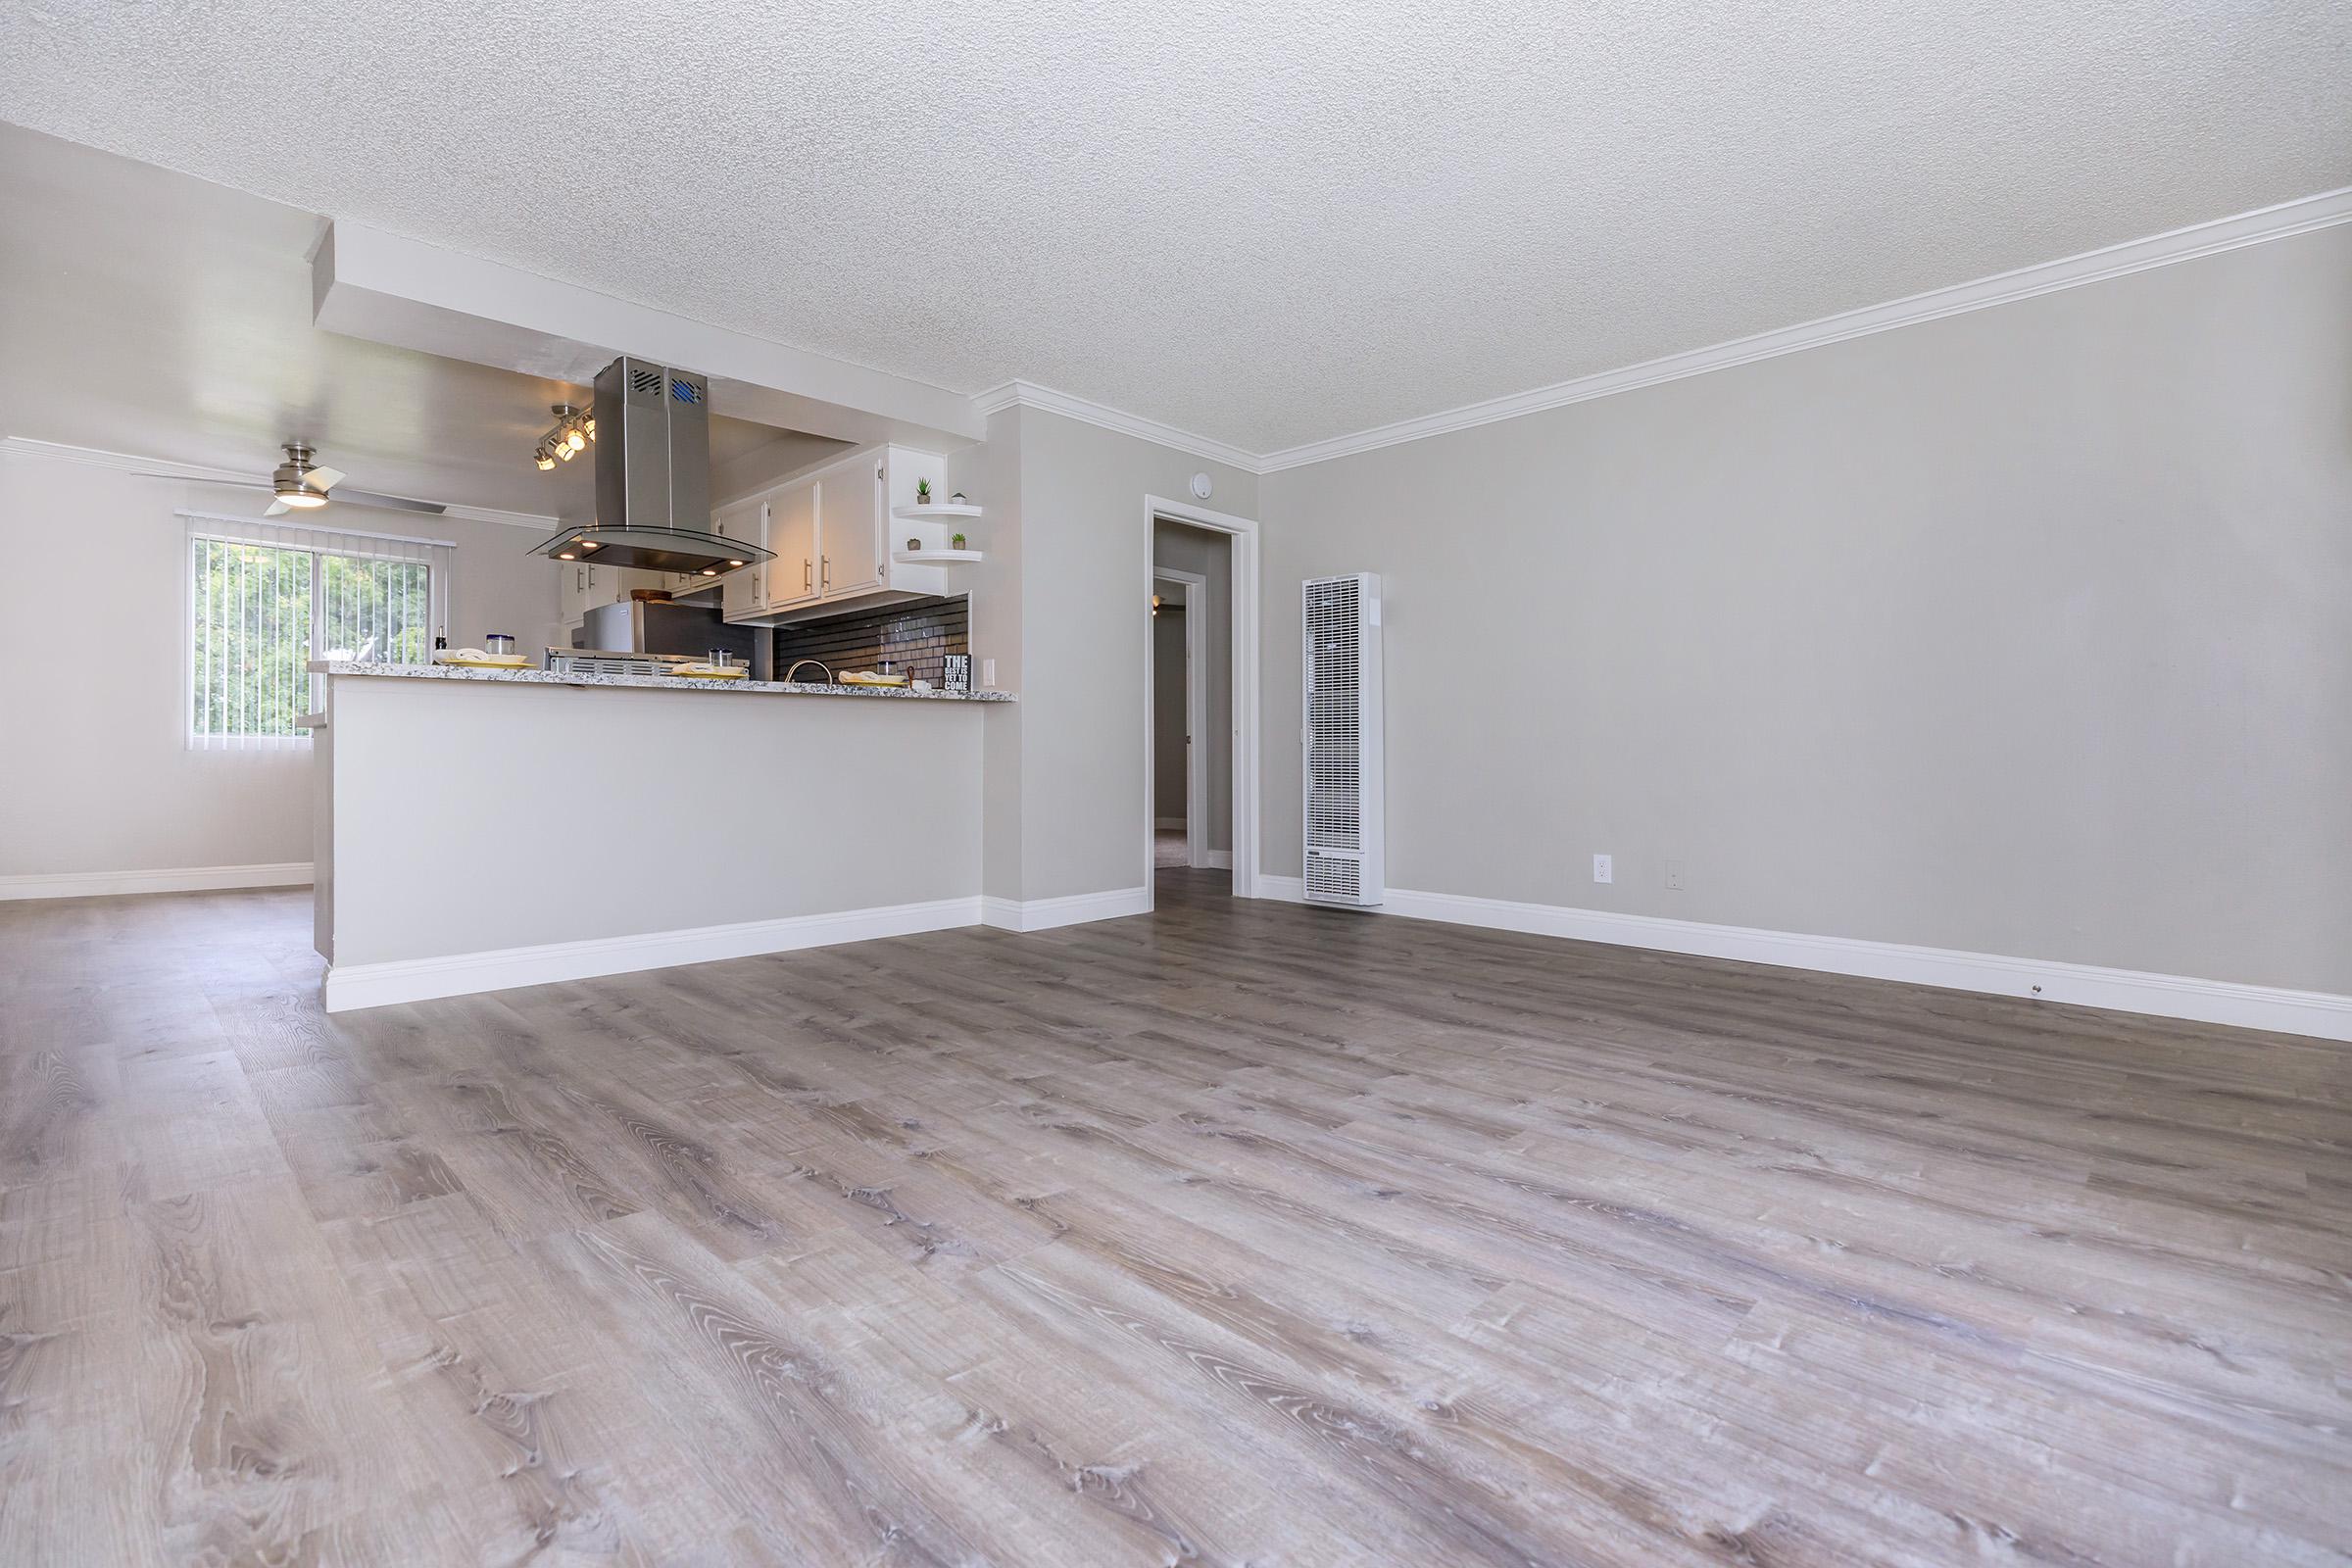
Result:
264,600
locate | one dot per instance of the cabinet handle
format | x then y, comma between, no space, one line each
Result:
807,575
825,577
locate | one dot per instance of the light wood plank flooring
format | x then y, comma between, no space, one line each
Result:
1239,1234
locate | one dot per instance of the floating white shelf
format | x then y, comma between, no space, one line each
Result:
935,558
937,512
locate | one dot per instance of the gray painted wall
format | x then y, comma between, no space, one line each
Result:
2027,631
990,475
96,775
1084,546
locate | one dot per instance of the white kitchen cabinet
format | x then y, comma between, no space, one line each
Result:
831,531
793,576
739,592
855,552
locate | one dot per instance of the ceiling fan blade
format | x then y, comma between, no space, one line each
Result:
183,478
369,498
318,479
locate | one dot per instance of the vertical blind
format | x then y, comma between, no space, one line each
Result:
265,599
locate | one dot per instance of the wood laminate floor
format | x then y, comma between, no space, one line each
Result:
1236,1234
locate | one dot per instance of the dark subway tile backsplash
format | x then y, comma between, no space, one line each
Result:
914,635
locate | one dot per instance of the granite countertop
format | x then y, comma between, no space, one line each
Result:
549,677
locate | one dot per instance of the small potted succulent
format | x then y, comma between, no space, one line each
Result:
957,543
922,492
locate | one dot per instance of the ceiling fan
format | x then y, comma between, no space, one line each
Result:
298,483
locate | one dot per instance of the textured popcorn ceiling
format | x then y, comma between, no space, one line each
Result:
1265,224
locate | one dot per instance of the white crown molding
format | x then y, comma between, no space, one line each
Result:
198,473
537,522
189,879
2281,222
128,463
1029,395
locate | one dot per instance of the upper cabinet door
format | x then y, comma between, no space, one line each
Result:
571,591
745,522
856,520
795,576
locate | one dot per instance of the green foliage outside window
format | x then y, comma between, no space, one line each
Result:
261,615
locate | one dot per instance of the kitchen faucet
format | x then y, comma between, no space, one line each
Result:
818,662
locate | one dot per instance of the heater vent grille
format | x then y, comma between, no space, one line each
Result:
1335,879
1340,617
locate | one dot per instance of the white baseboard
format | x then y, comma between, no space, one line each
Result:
375,984
1170,824
1217,859
1043,915
2319,1013
188,879
2167,996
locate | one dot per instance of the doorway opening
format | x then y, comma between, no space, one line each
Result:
1200,809
1188,831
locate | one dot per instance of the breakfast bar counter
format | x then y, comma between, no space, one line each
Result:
552,677
479,829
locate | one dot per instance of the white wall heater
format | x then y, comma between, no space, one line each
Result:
1342,737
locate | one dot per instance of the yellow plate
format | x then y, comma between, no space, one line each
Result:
512,662
870,680
705,674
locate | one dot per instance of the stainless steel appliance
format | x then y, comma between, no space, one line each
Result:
656,626
653,479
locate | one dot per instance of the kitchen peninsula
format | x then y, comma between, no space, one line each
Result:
481,830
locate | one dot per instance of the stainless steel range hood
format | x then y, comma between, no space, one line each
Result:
653,479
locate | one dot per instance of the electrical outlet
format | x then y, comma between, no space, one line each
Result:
1674,876
988,673
1604,869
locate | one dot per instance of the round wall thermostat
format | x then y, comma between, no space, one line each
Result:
1200,486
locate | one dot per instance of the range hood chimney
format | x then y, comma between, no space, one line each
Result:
653,479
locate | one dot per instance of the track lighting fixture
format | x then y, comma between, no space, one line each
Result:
569,436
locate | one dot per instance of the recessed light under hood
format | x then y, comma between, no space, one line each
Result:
653,479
